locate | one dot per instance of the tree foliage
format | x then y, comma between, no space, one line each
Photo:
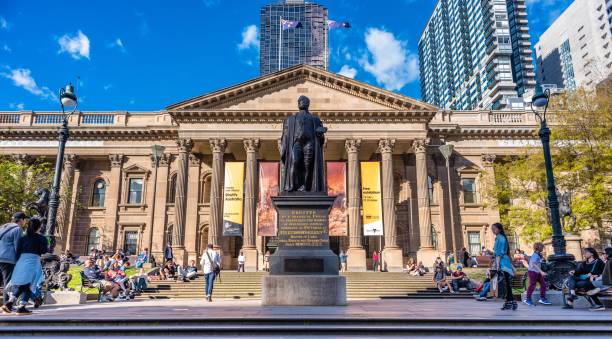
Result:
18,182
582,161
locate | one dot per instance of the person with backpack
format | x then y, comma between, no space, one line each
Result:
211,265
503,265
9,237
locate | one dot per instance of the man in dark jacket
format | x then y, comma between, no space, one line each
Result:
168,255
9,237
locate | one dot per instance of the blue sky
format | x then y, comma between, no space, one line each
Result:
146,54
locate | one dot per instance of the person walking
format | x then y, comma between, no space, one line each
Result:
168,255
466,257
502,265
211,265
241,261
375,260
9,237
28,269
267,261
536,276
343,259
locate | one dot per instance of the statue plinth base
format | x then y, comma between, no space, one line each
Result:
303,270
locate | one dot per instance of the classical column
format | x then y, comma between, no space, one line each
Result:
184,148
216,192
487,163
426,252
192,220
251,146
66,198
158,240
356,254
113,192
392,254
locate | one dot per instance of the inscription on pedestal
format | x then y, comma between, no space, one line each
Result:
303,228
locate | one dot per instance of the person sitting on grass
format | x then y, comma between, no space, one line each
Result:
484,288
440,280
583,278
110,291
460,279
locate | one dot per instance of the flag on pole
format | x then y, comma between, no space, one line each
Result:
337,24
288,24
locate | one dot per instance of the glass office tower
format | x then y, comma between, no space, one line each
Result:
303,45
476,54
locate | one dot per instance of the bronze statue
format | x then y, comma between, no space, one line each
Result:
302,151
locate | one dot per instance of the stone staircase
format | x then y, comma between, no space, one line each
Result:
247,286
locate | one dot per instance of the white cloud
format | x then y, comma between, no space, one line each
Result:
22,77
388,60
117,43
107,87
77,46
6,48
348,71
210,3
3,23
250,38
18,106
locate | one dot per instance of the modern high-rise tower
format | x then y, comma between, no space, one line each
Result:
306,44
476,54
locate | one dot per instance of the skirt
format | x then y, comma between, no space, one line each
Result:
28,270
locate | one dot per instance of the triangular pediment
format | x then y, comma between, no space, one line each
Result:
279,92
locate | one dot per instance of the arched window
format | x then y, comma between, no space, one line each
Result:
93,239
99,193
430,190
206,189
169,234
172,190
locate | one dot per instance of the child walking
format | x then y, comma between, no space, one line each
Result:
536,275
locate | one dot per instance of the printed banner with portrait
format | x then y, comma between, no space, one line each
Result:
233,199
371,198
268,188
336,186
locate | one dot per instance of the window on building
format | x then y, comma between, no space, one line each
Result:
135,191
474,242
99,193
171,190
93,239
205,198
130,242
469,191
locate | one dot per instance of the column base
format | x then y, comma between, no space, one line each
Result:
303,290
427,256
180,255
392,260
251,259
356,261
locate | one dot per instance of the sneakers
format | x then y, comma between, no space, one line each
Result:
597,308
544,301
23,311
593,291
7,308
528,302
478,298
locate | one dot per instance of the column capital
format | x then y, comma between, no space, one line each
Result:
352,145
163,161
194,160
71,161
488,159
23,159
251,145
218,145
116,160
184,145
420,145
386,145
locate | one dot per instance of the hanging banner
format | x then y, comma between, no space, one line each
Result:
336,186
371,198
268,188
233,198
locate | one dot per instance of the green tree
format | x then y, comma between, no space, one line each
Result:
582,158
18,182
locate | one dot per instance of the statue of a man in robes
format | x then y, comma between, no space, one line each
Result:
302,151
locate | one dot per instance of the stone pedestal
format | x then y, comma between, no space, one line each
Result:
573,246
250,256
356,261
65,298
427,256
304,290
303,270
392,260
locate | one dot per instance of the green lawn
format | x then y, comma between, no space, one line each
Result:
75,282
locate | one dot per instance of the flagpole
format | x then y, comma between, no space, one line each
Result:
280,39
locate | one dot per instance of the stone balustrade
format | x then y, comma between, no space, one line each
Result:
89,119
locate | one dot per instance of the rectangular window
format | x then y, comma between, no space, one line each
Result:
474,243
135,193
469,191
130,242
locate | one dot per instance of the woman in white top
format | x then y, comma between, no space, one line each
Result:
241,260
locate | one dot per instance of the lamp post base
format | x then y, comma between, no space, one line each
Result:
558,268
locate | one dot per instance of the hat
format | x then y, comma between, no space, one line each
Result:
19,216
459,267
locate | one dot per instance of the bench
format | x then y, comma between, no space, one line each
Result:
484,261
88,284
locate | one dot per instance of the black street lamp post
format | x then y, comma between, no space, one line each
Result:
560,263
67,100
